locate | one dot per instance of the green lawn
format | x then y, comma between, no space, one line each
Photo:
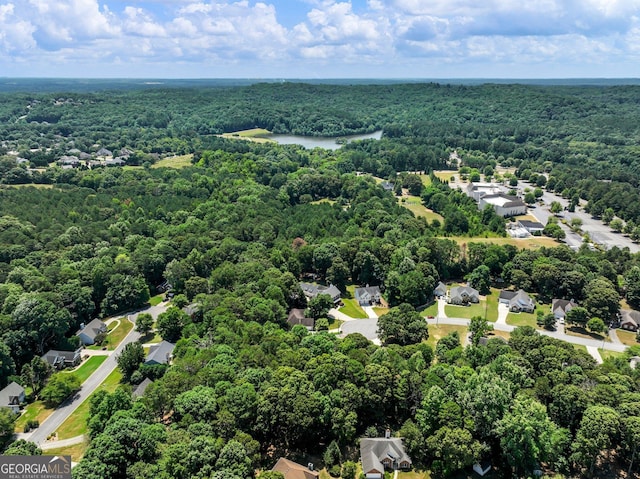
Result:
35,410
475,309
431,310
437,332
76,451
605,353
379,310
181,161
87,369
492,305
627,337
335,324
527,319
583,333
352,308
414,204
76,424
533,242
156,300
118,333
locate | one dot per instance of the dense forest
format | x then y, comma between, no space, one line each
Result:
237,230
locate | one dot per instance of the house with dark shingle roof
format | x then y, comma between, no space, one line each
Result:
380,453
312,290
518,301
88,333
440,290
293,470
463,295
560,307
63,359
139,390
629,319
160,353
12,396
297,316
368,296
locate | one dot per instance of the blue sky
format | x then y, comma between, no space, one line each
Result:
320,38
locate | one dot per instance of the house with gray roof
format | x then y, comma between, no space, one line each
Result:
560,307
90,332
440,290
629,319
382,453
139,390
518,301
312,290
63,359
12,396
160,353
464,295
368,295
297,316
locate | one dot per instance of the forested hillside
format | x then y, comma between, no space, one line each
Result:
237,230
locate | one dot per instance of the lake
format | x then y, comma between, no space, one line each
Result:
322,142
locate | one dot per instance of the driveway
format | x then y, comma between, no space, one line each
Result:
503,312
60,415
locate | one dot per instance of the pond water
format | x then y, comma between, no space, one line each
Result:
322,142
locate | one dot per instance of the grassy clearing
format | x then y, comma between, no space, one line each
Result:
76,424
36,410
499,334
527,319
29,185
492,305
115,336
426,179
259,135
178,162
526,218
431,310
533,242
627,337
87,369
352,308
414,204
437,332
323,200
335,324
445,175
152,337
76,451
156,300
414,475
467,312
379,310
606,354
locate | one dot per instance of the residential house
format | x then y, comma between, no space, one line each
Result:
297,316
440,290
518,301
115,162
103,152
368,295
380,453
504,205
88,333
139,390
482,468
387,185
560,307
463,295
629,319
533,227
63,359
311,290
12,396
160,353
293,470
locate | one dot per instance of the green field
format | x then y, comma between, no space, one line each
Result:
352,308
627,337
118,333
76,424
431,310
605,353
527,319
181,161
437,332
76,451
467,312
36,410
259,135
533,242
87,369
414,204
156,300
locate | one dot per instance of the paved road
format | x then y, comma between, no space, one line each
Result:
369,329
598,231
55,420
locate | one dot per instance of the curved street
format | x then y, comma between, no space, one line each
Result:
57,418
